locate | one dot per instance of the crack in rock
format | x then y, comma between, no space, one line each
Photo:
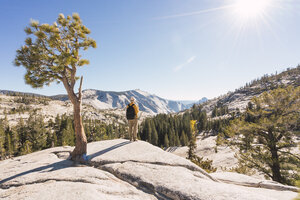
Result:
62,154
137,183
98,164
261,184
7,186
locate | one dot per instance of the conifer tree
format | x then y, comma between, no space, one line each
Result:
192,143
154,136
265,134
26,148
51,134
202,121
15,142
37,132
109,131
206,164
52,53
172,138
2,141
177,140
166,141
183,139
8,142
54,141
67,134
21,130
148,130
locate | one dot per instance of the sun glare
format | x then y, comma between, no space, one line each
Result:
250,9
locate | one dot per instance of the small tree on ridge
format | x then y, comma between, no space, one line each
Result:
51,53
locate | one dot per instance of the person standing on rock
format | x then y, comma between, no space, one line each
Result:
132,116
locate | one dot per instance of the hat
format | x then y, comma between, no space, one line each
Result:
132,99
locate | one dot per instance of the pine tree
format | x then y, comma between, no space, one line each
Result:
68,134
51,53
202,121
37,132
172,138
26,148
22,132
183,139
166,141
60,124
109,131
214,112
148,130
264,134
192,143
154,136
54,141
8,143
207,164
177,140
15,142
2,141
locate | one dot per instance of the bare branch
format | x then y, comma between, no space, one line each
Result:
70,92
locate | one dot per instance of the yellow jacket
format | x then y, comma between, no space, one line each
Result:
136,108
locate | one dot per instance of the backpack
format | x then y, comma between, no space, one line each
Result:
130,112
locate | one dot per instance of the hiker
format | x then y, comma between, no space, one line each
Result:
132,116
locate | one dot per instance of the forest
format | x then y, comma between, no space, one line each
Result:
35,134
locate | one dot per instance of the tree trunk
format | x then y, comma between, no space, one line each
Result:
81,141
276,175
275,166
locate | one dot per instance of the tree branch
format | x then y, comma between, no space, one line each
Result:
289,154
70,91
261,168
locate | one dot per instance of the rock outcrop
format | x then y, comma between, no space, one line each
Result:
221,155
119,169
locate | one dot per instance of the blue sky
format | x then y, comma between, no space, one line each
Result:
181,50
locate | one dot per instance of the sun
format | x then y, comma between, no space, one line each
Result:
251,9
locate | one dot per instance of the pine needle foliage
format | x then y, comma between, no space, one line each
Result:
52,51
266,133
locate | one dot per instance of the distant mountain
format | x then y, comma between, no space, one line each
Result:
104,100
190,103
10,92
149,103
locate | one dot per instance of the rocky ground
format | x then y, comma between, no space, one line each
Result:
119,169
222,156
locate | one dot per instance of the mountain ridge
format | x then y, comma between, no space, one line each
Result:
103,100
238,100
